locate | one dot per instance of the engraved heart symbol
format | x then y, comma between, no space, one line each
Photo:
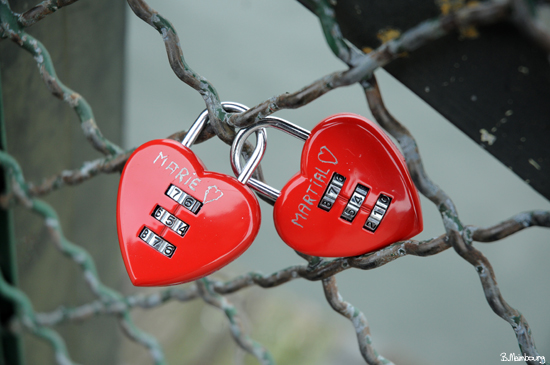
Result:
324,150
167,235
215,196
353,193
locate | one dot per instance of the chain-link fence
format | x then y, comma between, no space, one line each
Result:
459,236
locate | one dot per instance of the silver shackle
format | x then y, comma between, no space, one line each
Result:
262,188
261,138
197,127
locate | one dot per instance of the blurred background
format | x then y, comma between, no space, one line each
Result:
421,310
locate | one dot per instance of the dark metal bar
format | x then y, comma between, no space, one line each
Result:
10,344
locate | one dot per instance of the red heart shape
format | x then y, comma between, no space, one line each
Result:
358,150
222,229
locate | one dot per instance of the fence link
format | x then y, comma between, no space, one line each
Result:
360,70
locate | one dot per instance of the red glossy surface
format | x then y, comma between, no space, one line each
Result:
358,149
222,230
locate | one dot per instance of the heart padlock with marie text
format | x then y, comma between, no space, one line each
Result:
177,221
353,194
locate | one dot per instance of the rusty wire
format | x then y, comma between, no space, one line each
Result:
358,319
208,294
361,67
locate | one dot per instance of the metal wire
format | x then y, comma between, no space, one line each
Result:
361,67
207,293
358,319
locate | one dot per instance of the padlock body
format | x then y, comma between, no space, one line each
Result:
353,194
178,222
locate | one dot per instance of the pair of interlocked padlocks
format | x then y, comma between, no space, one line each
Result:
178,222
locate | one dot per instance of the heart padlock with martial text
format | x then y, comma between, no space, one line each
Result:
353,193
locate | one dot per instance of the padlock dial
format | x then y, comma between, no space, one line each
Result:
156,242
170,221
353,193
184,199
331,192
355,203
178,222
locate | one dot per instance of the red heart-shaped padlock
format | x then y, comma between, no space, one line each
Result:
178,222
353,193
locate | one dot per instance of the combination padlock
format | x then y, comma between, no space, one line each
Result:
353,194
178,222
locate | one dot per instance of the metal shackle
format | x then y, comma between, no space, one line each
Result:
199,124
231,107
262,188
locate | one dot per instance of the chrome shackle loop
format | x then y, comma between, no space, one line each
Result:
261,138
201,121
262,188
